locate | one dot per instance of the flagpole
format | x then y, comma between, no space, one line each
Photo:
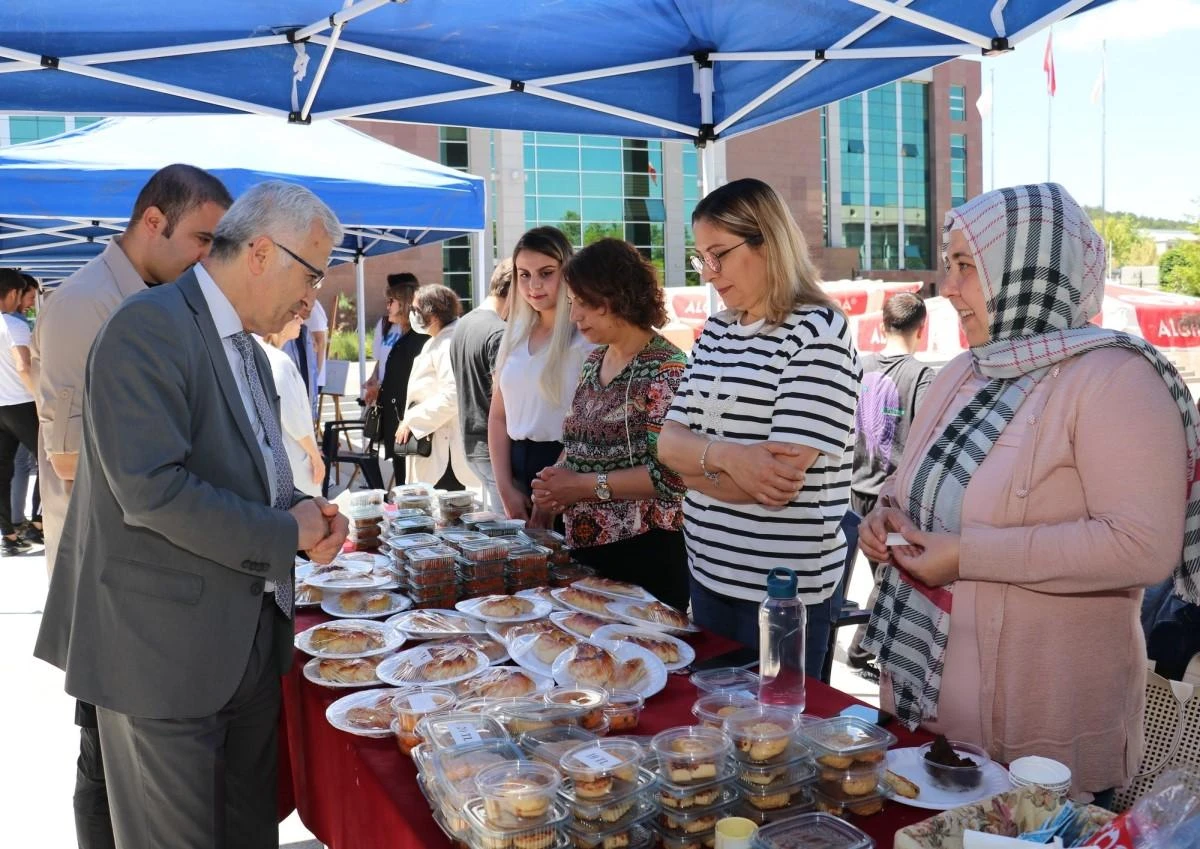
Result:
1049,116
993,129
1048,67
1104,153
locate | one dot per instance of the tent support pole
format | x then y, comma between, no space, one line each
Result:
360,298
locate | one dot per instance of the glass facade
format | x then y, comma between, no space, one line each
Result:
456,252
958,103
27,128
691,197
884,175
958,169
591,187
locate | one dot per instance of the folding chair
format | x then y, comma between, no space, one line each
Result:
850,612
365,461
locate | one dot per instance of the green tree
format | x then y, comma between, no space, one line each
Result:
1121,234
1179,269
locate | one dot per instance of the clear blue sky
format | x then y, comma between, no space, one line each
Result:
1153,108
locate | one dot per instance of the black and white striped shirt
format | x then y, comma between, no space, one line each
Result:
795,383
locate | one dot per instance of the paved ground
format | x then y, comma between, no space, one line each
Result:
41,742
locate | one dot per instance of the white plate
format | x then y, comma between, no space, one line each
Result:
392,639
401,620
311,673
560,617
386,670
652,682
640,595
502,658
304,568
335,714
330,604
521,650
542,683
620,609
306,603
359,581
471,607
558,595
907,763
614,635
546,595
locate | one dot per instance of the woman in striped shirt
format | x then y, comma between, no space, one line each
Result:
762,427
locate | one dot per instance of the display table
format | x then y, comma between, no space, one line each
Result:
361,793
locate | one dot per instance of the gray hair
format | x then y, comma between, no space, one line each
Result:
283,211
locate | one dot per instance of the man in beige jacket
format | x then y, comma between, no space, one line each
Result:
170,229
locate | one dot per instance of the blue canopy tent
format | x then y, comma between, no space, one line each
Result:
62,199
684,69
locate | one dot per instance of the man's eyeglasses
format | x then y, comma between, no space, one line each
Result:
318,276
711,259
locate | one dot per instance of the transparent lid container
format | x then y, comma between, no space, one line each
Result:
527,557
431,557
470,520
365,498
459,728
517,794
632,834
761,733
602,767
417,488
455,537
423,578
755,776
406,513
616,808
682,821
706,840
840,804
691,754
778,795
363,512
544,537
412,707
464,499
699,794
624,710
550,744
501,527
846,740
485,835
413,525
812,831
801,802
452,770
407,542
485,550
712,708
726,678
471,570
527,715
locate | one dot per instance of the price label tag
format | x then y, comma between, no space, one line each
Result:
422,702
598,759
462,732
419,657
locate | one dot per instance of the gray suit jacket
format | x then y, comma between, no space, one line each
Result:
156,593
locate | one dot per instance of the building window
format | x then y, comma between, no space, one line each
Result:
27,128
691,197
592,187
456,252
958,103
958,169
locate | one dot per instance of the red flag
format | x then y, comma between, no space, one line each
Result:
653,173
1048,65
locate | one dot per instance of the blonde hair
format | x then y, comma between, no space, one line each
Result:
551,242
752,210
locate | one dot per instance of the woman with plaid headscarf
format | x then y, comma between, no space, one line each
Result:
1050,476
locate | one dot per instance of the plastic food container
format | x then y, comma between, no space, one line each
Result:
840,804
471,520
405,513
413,525
691,754
419,579
517,794
526,558
761,734
858,780
463,500
366,498
697,820
681,797
811,831
402,543
592,699
618,806
624,710
602,768
544,537
712,708
726,678
516,585
483,551
520,717
484,835
457,728
432,592
565,574
956,778
632,832
707,840
846,742
470,588
470,570
776,797
452,771
455,537
431,558
550,744
768,776
406,740
412,707
501,527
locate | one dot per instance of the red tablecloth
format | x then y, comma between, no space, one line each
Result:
361,793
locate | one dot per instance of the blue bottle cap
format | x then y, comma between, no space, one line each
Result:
781,583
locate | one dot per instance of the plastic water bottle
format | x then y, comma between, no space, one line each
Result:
781,624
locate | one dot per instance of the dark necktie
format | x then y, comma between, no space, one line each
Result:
284,590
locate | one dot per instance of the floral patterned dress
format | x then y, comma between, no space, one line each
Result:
616,427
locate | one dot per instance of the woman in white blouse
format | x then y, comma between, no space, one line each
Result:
295,415
433,395
537,371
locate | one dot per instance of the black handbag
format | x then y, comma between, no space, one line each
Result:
372,423
414,447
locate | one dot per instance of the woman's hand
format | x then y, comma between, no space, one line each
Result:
318,468
764,470
930,558
873,531
371,390
555,489
516,504
402,434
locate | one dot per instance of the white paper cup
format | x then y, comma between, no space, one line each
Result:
735,833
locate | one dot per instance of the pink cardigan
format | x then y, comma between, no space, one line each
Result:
1092,511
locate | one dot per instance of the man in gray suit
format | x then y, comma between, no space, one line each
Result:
171,599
